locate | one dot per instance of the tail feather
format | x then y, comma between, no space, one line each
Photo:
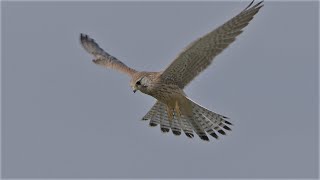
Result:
210,121
202,122
186,127
207,125
151,112
175,127
164,122
198,129
155,119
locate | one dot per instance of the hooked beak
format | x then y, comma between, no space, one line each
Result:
134,89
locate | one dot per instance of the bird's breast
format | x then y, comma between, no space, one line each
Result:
166,93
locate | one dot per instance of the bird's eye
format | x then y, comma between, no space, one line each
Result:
138,83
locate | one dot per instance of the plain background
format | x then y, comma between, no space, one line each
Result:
64,117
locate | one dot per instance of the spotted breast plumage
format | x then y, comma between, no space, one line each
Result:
173,109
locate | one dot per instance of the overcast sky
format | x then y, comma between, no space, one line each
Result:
63,116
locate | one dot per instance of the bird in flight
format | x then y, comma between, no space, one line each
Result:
174,109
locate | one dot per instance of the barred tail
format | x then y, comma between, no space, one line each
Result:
208,121
202,122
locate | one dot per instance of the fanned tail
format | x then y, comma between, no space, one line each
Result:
202,122
211,122
158,115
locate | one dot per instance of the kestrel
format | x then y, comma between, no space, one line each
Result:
173,109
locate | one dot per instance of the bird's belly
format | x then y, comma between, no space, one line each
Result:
167,93
173,97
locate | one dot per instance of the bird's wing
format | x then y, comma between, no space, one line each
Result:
103,58
199,54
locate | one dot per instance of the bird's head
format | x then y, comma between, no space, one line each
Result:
140,82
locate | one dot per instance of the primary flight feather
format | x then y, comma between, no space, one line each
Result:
173,109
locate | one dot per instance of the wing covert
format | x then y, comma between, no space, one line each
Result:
198,55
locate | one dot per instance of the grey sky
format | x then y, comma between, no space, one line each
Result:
63,116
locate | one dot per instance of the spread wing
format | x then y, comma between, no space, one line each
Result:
103,58
199,54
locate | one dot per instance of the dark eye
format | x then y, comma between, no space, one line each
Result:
138,83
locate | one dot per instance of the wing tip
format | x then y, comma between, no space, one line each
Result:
83,37
256,6
86,42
